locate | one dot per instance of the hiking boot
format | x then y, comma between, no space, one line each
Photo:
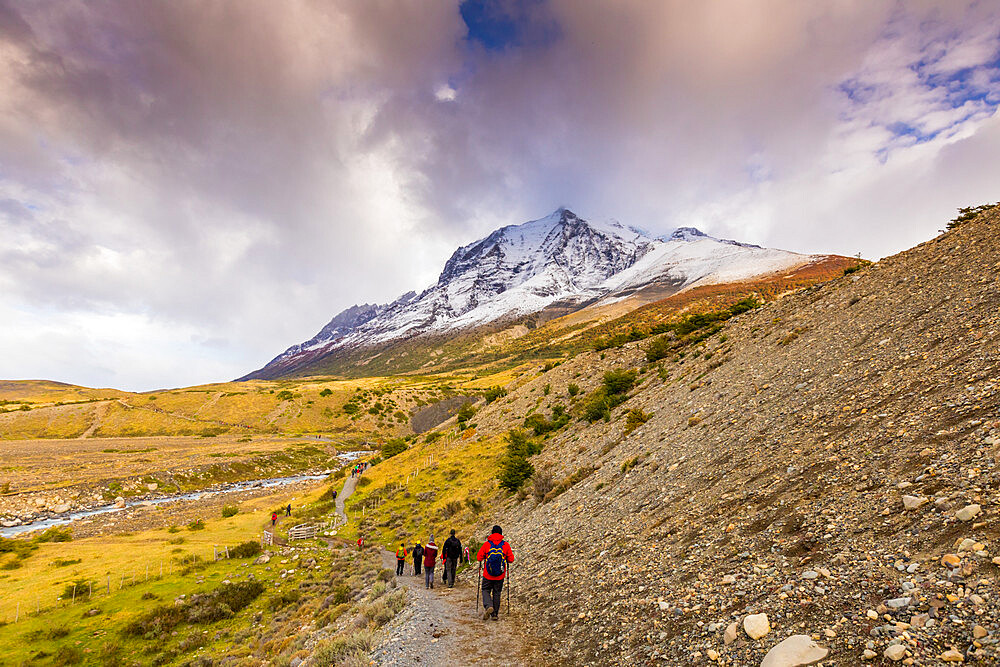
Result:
488,613
495,617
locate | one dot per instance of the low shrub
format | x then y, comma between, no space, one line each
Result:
493,393
514,466
229,510
635,419
247,549
392,447
197,524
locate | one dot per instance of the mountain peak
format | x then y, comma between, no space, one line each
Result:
687,234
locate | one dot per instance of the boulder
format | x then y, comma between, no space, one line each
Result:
152,486
756,625
794,651
913,502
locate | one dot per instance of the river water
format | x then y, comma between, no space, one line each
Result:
68,518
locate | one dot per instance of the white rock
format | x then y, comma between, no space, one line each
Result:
896,652
729,636
61,509
729,580
794,651
913,502
119,502
756,625
968,513
152,486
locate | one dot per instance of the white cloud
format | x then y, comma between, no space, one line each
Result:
173,176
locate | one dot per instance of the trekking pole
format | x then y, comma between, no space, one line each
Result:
509,584
479,584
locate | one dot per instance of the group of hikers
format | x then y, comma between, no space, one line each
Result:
494,555
360,468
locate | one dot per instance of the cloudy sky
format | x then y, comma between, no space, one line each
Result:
187,188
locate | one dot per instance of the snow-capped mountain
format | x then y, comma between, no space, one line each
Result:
521,269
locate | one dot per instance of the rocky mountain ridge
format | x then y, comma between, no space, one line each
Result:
825,468
523,269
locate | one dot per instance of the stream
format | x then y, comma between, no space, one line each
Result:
67,518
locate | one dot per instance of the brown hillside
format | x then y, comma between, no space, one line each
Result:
772,474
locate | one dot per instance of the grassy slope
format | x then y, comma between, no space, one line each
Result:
62,633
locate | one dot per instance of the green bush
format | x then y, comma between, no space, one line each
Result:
197,524
284,395
635,419
619,381
229,510
493,393
514,466
247,549
573,389
54,535
660,348
326,392
393,446
466,412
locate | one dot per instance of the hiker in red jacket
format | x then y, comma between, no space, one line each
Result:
430,558
494,554
274,518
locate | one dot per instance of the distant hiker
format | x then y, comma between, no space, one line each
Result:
465,554
430,556
274,518
494,554
361,543
335,495
400,558
452,552
418,555
288,510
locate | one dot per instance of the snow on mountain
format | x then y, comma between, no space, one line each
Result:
521,269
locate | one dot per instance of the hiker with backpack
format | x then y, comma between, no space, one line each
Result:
274,518
451,553
494,554
430,557
400,559
418,555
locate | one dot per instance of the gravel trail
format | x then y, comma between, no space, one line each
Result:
443,626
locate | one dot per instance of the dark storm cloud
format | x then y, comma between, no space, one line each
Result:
180,178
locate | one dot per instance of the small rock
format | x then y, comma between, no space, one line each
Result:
951,655
951,560
913,502
712,654
895,652
968,513
810,574
153,486
729,636
756,625
869,654
898,603
979,632
794,651
729,580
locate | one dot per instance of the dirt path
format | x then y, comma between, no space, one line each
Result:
445,626
344,494
99,413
